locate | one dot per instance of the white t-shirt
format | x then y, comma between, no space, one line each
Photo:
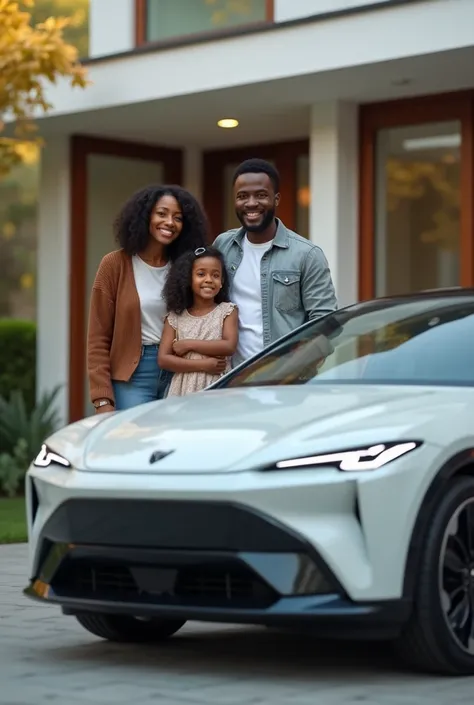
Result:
247,295
150,282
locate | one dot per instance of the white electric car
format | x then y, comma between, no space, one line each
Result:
326,485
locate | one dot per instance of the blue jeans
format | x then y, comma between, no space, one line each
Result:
148,382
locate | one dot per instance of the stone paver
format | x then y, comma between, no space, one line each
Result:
47,658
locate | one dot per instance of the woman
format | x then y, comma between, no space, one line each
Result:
127,310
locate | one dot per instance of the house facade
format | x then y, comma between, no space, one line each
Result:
366,108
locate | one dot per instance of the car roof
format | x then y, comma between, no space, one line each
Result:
426,294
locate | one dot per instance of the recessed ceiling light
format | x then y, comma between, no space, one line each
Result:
227,123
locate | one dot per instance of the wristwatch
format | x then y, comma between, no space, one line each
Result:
103,402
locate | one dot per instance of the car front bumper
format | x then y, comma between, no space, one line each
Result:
359,525
207,561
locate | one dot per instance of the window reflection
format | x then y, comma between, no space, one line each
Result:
177,18
417,208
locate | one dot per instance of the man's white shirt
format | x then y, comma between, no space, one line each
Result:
247,295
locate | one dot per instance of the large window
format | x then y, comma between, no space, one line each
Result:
166,19
418,191
416,205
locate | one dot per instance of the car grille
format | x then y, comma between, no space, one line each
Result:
101,579
228,585
231,585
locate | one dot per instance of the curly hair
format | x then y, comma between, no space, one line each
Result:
132,225
178,292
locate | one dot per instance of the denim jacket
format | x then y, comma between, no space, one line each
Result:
295,279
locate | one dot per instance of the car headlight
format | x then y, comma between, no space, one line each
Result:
355,460
47,457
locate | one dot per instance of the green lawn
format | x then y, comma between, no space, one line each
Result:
12,520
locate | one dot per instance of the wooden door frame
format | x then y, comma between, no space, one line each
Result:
285,156
81,147
400,113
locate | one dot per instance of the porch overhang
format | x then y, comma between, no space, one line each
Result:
270,111
269,80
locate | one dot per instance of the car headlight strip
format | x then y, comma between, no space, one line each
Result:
354,460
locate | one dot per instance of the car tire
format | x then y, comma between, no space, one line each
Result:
124,628
431,641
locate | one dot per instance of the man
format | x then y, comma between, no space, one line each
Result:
279,279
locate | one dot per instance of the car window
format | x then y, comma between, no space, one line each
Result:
425,341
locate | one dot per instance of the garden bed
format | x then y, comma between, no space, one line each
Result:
12,520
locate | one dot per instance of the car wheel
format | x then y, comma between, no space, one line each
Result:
440,634
115,627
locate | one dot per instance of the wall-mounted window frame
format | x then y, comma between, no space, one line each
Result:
410,112
141,29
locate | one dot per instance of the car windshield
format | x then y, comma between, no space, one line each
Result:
427,340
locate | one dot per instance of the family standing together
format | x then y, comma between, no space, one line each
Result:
169,314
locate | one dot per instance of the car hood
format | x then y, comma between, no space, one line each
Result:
237,429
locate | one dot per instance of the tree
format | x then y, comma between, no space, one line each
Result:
31,56
77,32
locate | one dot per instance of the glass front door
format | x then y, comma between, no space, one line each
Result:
417,208
416,195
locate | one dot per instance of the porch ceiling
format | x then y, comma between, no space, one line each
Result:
271,111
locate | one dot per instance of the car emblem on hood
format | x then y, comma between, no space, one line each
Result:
159,455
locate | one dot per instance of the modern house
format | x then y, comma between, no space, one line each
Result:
366,107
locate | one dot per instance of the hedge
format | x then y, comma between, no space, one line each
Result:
18,359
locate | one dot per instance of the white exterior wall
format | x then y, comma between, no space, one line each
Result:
286,10
334,188
53,272
311,48
112,22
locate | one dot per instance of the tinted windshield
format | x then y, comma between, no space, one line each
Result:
424,341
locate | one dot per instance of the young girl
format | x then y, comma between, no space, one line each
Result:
201,330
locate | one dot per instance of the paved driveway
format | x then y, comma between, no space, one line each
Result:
47,658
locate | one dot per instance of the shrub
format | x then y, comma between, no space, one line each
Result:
13,469
21,434
18,359
32,427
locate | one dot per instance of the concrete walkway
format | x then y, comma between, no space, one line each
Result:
47,658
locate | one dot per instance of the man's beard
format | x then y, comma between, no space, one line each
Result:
261,227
